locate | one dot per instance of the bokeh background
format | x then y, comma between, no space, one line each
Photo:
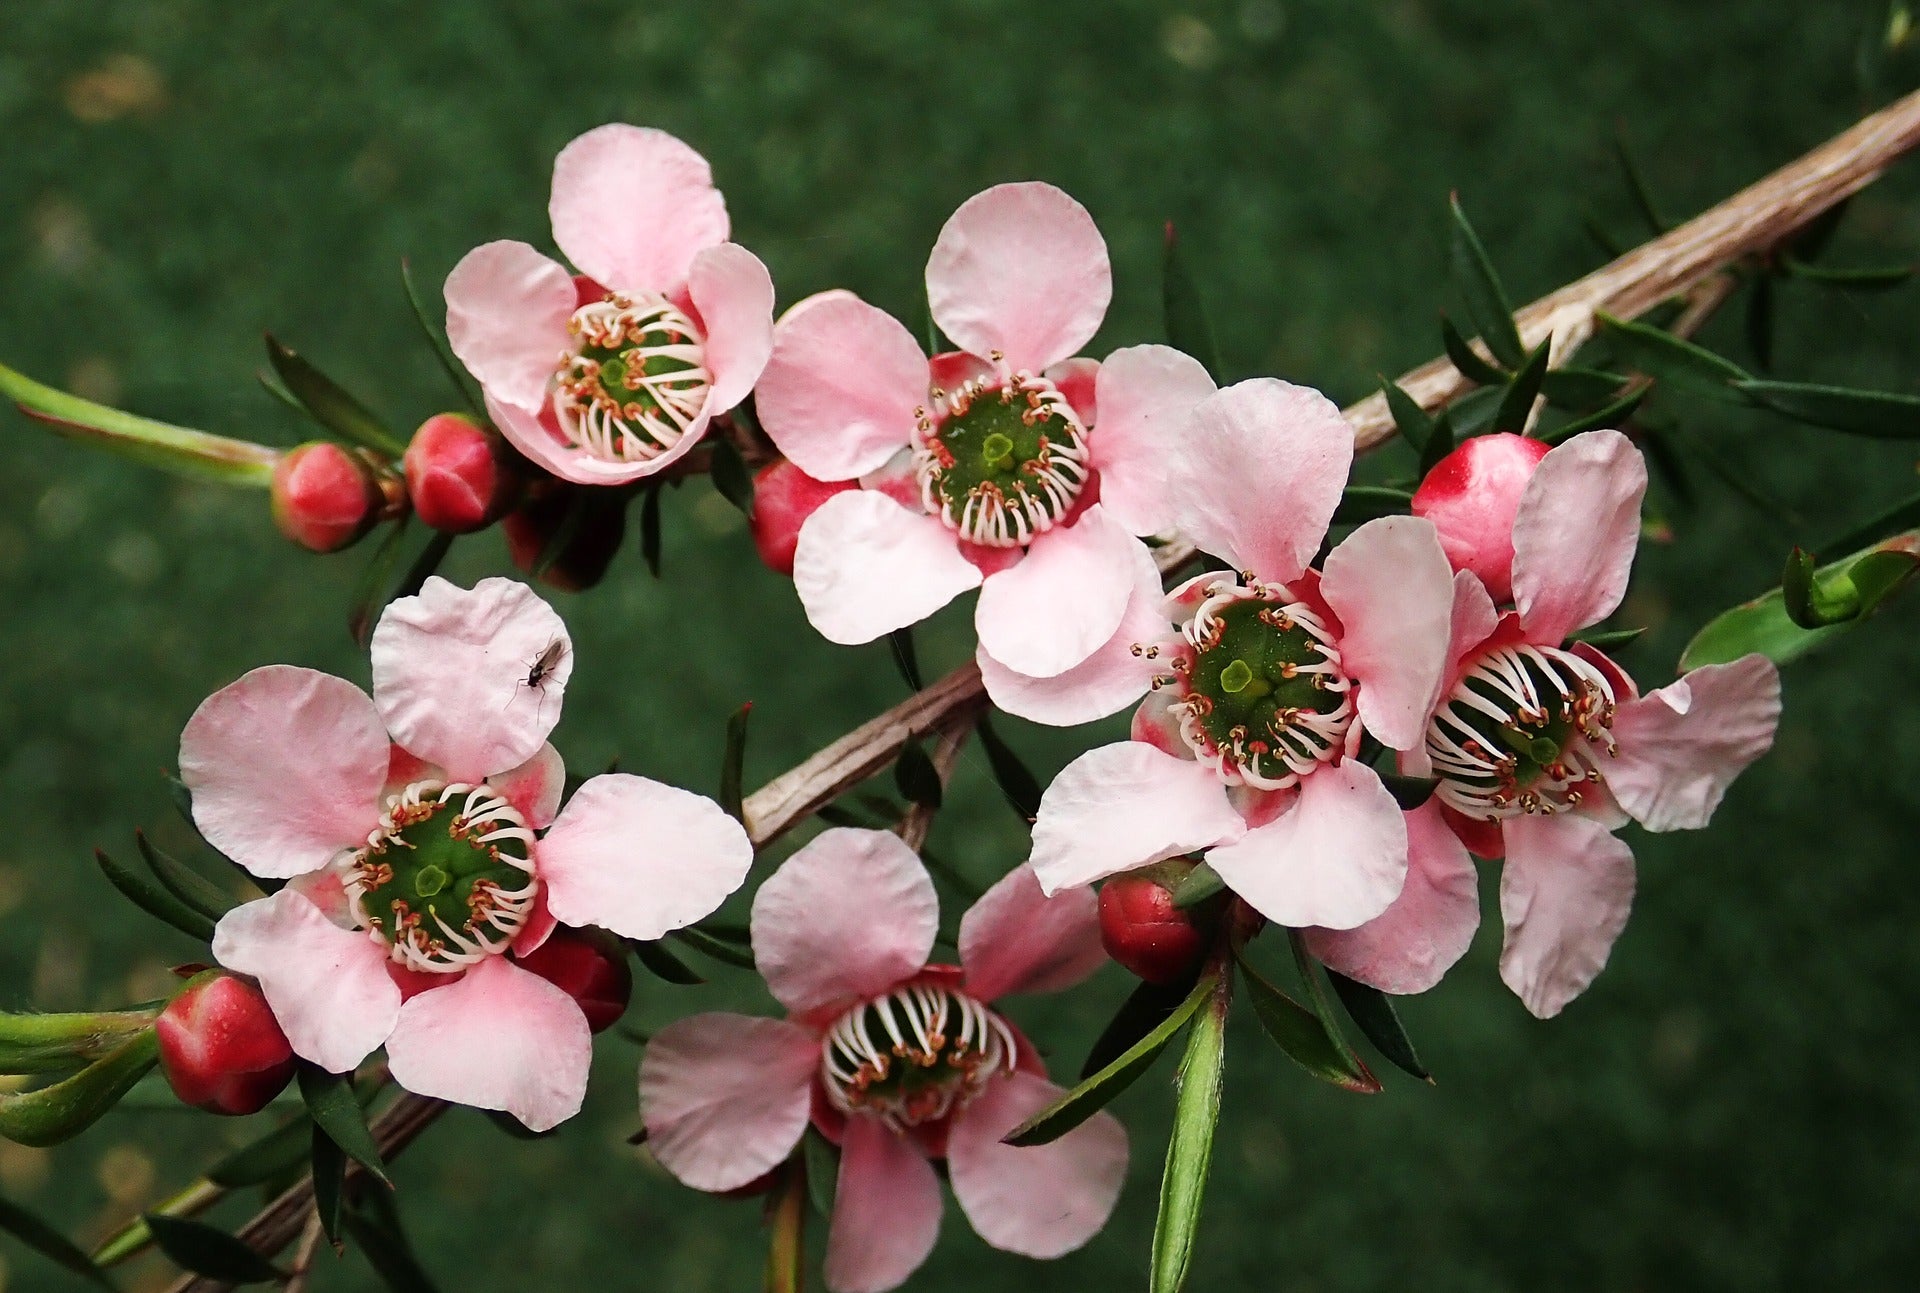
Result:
1733,1106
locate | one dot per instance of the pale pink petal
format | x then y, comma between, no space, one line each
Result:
1575,534
1411,945
1682,746
839,392
632,207
285,766
1020,269
1337,858
1474,619
1042,1201
1122,806
726,1097
1256,473
866,566
534,788
640,858
733,294
532,435
1145,394
328,987
500,1038
1565,891
1016,939
507,312
1056,608
1391,586
849,916
886,1210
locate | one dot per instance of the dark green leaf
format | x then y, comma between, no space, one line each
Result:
906,659
726,931
424,565
1144,1010
1409,418
208,1251
369,590
1465,358
1637,186
1763,624
329,405
1321,1000
1579,390
272,1155
375,1227
1881,415
1441,443
455,376
1608,640
1479,286
650,526
1811,242
1611,418
1196,1113
1373,1011
1760,322
1516,406
664,964
823,1171
1202,883
1300,1033
1408,792
1362,503
1862,278
718,949
731,477
1609,245
186,884
733,761
336,1112
1019,785
577,506
915,776
49,1243
1472,413
329,1182
1904,515
1188,327
154,899
956,883
1673,360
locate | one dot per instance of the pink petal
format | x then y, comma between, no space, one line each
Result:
733,294
886,1210
1020,269
1123,806
1258,470
1575,534
1391,586
1044,1201
328,986
1145,394
839,393
1565,891
1156,724
285,766
726,1097
1682,746
1077,381
1411,945
1474,620
507,312
534,788
531,434
866,566
1337,858
632,207
640,858
1016,939
499,1038
849,916
450,669
1061,604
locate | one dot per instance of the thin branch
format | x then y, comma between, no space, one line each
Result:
303,1255
953,735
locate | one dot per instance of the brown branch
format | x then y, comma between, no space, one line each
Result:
303,1256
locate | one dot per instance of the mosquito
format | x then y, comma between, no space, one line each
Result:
540,669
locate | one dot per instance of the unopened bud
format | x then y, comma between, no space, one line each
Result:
590,966
325,496
1472,495
587,522
221,1048
783,498
1142,929
456,475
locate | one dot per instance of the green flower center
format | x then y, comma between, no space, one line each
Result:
635,380
1001,462
1520,732
914,1055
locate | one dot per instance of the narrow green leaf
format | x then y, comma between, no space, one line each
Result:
1372,1010
1607,640
1409,419
730,476
272,1155
727,932
329,404
1010,773
1300,1033
1362,503
1797,595
1637,186
1465,358
650,526
1516,406
1472,414
369,590
915,776
62,1111
49,1243
720,950
1759,322
456,377
1610,418
1145,1009
1322,1001
424,566
1479,286
1188,327
959,885
1880,415
56,1043
733,763
906,658
1441,443
1202,883
1673,360
154,899
338,1113
1408,792
1763,624
375,1225
1196,1114
1860,278
1580,390
1904,515
823,1171
329,1182
576,508
211,1252
663,964
186,884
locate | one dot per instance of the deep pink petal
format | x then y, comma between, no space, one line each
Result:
1565,891
1337,858
1145,394
507,312
1155,723
328,986
1020,269
1122,806
534,788
285,766
1016,939
1575,534
1077,381
1391,586
1056,608
839,392
734,296
849,916
866,566
726,1097
632,207
532,436
886,1210
1682,746
1043,1201
1411,945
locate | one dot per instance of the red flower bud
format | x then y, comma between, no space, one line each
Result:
1471,496
589,965
220,1046
324,496
1142,929
783,498
455,475
583,559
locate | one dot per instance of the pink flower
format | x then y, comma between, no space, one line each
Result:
409,829
610,376
1246,749
1542,747
1007,465
899,1062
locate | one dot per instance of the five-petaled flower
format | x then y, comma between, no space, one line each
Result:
899,1062
422,838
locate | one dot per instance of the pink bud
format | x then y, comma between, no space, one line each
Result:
455,476
325,497
590,966
1471,496
1142,929
220,1046
783,498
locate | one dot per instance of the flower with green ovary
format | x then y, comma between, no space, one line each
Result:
1000,461
636,380
915,1055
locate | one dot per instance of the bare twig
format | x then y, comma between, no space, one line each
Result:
303,1255
953,735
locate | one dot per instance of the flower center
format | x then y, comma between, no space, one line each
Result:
914,1055
1000,460
1263,698
635,379
1520,732
446,879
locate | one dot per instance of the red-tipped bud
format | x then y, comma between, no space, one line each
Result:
325,496
590,966
596,534
455,475
220,1046
1142,929
783,498
1471,496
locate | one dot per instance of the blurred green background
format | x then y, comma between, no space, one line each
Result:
1733,1106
